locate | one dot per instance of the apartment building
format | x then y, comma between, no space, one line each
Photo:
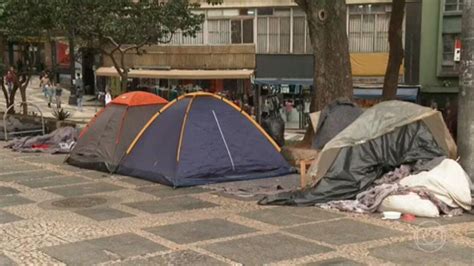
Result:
270,39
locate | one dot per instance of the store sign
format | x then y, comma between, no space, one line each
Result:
284,88
63,57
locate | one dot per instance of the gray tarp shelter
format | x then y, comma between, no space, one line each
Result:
384,137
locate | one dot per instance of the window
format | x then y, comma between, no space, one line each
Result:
236,26
299,34
284,35
262,35
179,38
449,65
274,32
368,28
453,5
219,31
247,25
266,11
242,31
448,48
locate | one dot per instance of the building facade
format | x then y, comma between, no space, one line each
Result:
439,56
282,54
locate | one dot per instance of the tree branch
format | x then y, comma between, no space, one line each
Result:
303,4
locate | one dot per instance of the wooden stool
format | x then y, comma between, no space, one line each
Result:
304,164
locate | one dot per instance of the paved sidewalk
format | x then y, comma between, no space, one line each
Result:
52,213
35,95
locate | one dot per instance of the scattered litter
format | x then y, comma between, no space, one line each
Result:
391,215
408,217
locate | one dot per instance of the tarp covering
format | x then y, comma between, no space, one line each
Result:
202,139
103,143
385,136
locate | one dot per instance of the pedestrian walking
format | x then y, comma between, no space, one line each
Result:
10,79
108,96
79,92
306,111
58,93
43,82
49,88
80,98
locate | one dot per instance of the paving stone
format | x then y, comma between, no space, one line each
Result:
6,261
103,214
334,262
285,216
71,168
165,191
95,174
27,175
84,189
236,197
137,181
6,217
190,232
185,257
53,181
171,205
13,200
417,253
258,250
103,249
47,158
15,167
343,232
8,191
470,234
430,222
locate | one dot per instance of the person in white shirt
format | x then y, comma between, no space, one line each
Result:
108,97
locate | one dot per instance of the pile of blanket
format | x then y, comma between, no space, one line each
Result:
62,140
439,187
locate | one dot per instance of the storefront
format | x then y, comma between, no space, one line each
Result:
169,84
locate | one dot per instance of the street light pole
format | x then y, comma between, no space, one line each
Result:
466,92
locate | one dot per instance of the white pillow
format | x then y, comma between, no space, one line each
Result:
410,203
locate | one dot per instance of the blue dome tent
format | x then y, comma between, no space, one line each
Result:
202,138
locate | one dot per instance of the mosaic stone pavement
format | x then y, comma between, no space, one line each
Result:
55,214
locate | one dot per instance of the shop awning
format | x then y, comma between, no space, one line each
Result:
179,73
289,81
403,93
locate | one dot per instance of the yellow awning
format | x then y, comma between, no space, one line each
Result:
178,73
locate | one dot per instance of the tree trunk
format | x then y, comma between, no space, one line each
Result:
5,92
123,81
395,57
11,97
23,96
332,66
466,93
72,69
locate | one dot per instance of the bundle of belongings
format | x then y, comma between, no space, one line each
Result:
62,140
16,125
394,156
